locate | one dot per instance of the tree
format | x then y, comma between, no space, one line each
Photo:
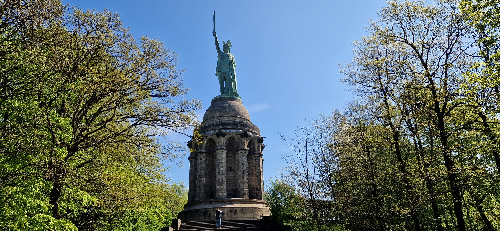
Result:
483,79
417,150
431,41
81,105
482,16
286,205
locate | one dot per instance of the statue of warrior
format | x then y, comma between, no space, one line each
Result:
225,70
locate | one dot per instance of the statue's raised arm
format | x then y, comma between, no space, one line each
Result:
217,43
215,36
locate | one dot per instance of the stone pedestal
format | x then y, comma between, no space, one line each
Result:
232,209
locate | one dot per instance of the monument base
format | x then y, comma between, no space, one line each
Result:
232,209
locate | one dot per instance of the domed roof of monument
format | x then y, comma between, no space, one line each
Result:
227,113
226,107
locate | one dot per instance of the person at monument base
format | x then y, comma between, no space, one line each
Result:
218,218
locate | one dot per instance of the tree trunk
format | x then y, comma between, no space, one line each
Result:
435,208
487,222
402,166
55,194
452,175
428,181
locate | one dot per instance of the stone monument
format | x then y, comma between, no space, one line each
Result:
225,164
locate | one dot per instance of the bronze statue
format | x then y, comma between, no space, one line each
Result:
225,70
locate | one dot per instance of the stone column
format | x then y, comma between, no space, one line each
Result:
220,175
201,179
192,178
242,173
259,176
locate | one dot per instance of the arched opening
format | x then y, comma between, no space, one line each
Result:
231,183
210,169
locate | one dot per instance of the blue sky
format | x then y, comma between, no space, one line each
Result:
287,54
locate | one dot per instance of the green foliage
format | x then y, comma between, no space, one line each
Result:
142,221
482,87
285,204
80,105
482,16
419,148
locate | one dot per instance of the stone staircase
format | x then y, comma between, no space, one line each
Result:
226,225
